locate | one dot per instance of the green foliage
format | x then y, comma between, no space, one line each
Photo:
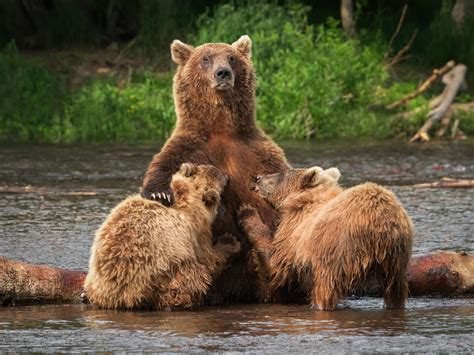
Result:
71,23
30,99
466,122
312,80
449,42
102,112
418,108
160,21
35,106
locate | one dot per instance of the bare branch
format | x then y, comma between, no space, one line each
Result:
398,57
426,84
395,34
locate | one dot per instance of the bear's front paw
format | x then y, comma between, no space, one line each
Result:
229,242
164,197
247,214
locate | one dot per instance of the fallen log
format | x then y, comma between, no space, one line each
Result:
447,182
454,80
28,189
23,284
442,273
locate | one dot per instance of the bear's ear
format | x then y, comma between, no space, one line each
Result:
180,190
311,177
331,175
188,169
244,46
180,52
210,197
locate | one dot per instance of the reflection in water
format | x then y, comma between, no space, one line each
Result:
56,228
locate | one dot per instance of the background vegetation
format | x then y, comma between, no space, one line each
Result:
99,71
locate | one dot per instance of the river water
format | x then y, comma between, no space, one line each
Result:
75,187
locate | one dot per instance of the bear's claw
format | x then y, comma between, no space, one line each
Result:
162,197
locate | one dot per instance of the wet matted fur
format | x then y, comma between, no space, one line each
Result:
147,255
330,239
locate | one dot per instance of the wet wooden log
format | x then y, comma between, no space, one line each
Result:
447,183
439,274
22,283
444,274
28,189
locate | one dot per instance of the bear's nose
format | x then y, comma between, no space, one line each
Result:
223,73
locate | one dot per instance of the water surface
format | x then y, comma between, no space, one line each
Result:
78,185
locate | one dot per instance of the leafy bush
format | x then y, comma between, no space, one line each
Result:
30,99
101,111
35,106
312,80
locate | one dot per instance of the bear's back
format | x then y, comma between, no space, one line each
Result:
140,228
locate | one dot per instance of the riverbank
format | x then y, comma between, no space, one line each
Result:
313,83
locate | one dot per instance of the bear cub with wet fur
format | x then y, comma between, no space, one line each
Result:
331,239
148,256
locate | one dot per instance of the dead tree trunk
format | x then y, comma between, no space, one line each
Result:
463,11
347,18
442,273
440,106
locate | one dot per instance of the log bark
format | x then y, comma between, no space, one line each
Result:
447,182
454,80
22,284
442,273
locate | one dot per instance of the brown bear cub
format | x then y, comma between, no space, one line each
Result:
331,239
214,94
146,255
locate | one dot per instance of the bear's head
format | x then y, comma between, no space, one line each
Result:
276,188
214,81
198,185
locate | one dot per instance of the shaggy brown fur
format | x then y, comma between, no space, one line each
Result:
214,92
330,239
146,255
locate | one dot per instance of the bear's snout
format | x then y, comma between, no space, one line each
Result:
224,78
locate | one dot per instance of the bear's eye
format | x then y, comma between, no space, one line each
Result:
231,59
206,60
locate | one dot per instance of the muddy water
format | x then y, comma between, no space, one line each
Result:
77,185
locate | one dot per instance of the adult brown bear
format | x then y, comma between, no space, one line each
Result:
214,93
